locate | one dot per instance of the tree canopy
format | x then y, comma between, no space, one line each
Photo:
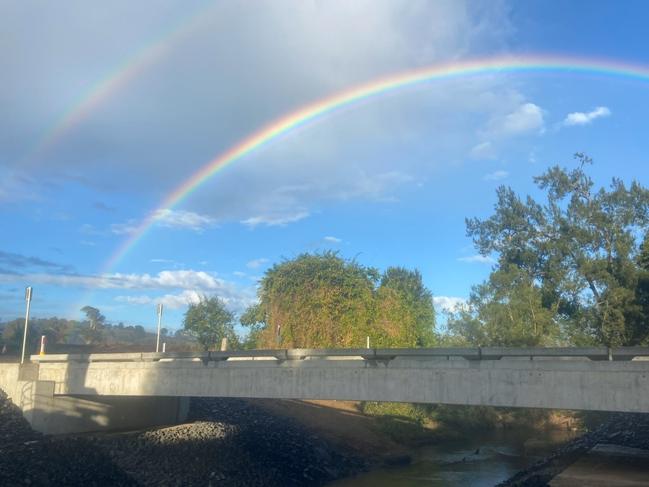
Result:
571,269
323,300
209,321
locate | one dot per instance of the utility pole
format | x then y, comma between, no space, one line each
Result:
157,342
28,298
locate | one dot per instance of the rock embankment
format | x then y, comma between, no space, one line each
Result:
630,430
29,458
227,442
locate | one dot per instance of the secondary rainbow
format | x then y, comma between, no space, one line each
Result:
118,78
373,89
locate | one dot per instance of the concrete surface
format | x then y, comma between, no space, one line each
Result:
65,393
607,466
56,414
513,382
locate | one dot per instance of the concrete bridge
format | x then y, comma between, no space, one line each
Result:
82,392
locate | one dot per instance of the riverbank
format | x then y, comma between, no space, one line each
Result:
236,443
226,442
625,430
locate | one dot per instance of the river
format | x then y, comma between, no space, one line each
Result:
478,460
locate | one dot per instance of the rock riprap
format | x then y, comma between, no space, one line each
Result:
226,442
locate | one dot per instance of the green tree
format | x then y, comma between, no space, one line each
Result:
94,317
506,311
323,300
573,257
209,321
93,333
317,300
637,315
405,315
255,320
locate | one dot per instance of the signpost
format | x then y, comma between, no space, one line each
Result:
28,298
157,342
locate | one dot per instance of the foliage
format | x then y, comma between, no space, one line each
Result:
402,410
92,333
94,317
569,270
506,311
255,320
405,311
209,321
62,334
322,300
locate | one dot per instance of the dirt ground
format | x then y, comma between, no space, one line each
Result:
339,422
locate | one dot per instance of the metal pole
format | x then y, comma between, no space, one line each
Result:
157,342
28,298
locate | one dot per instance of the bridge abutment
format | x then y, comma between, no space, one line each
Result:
54,414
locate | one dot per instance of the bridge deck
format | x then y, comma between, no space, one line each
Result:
577,378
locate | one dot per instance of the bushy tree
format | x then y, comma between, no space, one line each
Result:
317,300
568,263
323,300
405,315
209,321
506,311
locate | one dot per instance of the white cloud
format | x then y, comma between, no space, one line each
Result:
188,279
514,119
447,303
481,259
236,303
239,274
527,118
126,228
190,283
581,118
183,219
332,240
275,220
169,219
256,263
134,299
496,175
373,186
170,301
483,150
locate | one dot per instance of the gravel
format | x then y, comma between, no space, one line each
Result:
631,430
29,458
227,442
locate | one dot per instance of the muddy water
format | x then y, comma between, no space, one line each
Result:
478,460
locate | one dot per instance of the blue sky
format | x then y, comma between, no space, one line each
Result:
387,182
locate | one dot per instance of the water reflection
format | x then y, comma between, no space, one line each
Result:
479,460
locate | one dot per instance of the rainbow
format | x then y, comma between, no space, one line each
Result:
123,74
372,89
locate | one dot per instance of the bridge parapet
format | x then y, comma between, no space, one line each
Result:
382,354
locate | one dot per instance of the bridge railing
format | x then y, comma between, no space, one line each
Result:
480,353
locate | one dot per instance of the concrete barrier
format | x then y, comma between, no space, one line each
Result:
49,413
